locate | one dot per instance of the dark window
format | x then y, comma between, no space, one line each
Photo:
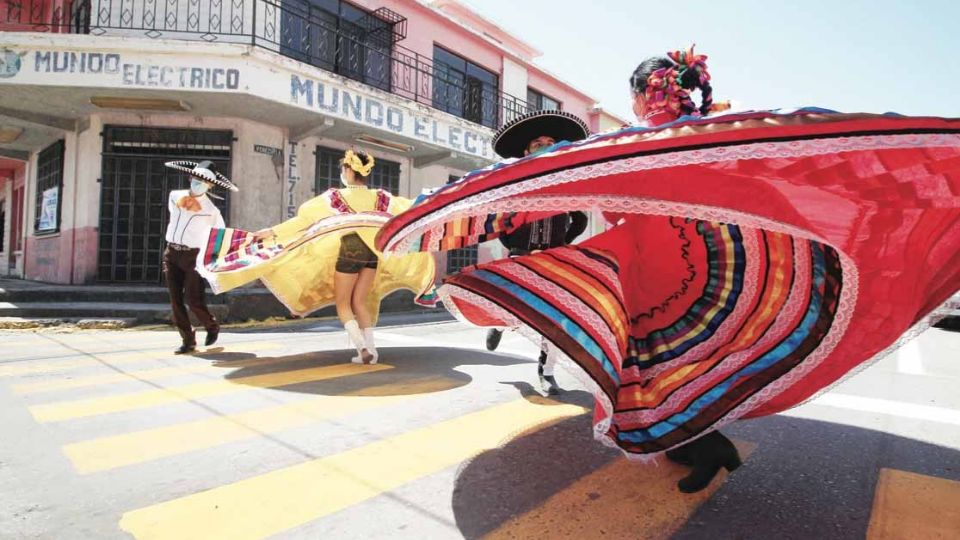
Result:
460,258
338,37
538,101
49,189
465,89
385,174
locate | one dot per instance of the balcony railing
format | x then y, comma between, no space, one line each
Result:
364,50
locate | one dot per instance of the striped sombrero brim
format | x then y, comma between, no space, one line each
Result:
194,170
512,139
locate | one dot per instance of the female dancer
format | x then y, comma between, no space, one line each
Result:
324,255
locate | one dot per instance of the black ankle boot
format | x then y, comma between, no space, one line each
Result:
708,454
681,454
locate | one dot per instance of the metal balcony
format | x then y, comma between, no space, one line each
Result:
365,50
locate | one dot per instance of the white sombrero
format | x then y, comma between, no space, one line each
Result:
205,170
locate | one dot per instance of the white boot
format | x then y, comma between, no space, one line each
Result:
370,345
356,337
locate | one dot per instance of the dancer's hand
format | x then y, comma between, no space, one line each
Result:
264,234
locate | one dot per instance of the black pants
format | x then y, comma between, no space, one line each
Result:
185,283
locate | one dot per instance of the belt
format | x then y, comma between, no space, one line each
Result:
181,247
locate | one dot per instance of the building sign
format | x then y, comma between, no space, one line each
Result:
9,63
293,178
48,209
341,102
114,69
233,68
268,150
136,73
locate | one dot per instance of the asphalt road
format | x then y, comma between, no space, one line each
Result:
272,433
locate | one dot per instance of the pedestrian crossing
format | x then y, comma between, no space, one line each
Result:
396,424
141,446
320,487
68,410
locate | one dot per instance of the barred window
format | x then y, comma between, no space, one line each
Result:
385,174
460,258
538,101
49,189
465,89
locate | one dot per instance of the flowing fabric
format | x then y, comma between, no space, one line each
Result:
754,260
298,264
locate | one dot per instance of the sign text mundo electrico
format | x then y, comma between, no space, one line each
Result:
136,74
363,109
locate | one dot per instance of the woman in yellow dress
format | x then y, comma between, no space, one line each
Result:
325,255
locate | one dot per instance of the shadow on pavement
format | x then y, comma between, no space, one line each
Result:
804,479
400,371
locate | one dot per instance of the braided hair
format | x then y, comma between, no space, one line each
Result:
686,70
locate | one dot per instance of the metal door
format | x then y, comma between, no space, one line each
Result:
134,189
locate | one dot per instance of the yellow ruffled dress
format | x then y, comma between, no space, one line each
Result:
298,264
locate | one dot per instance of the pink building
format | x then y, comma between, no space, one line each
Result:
95,95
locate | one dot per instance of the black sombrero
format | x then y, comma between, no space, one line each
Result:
512,139
205,170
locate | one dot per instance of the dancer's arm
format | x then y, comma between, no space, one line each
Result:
308,214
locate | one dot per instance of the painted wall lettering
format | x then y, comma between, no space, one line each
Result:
293,178
367,110
136,74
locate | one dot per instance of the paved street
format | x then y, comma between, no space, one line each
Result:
273,433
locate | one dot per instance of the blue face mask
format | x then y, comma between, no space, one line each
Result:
198,187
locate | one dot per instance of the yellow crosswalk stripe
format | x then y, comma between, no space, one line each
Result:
910,506
110,378
138,447
283,499
82,360
68,410
153,374
608,500
69,341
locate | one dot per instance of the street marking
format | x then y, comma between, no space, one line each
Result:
609,500
152,374
68,410
66,341
909,358
889,408
400,338
278,501
147,445
81,360
110,378
908,506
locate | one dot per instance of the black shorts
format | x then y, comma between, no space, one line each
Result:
354,255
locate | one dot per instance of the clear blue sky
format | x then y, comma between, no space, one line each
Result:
848,55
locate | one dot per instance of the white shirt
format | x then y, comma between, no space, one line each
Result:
191,229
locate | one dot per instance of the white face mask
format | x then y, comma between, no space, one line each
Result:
198,187
343,179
